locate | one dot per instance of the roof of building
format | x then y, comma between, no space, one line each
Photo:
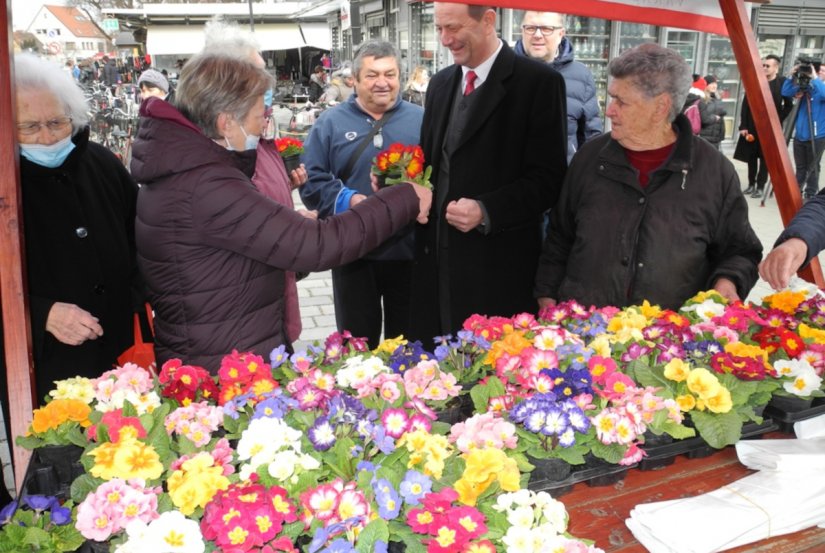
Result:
77,22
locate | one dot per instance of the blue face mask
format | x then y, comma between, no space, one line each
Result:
268,98
251,140
48,155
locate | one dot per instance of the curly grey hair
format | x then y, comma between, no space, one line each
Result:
33,73
228,39
655,70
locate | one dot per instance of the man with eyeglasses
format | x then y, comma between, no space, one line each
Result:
748,148
542,38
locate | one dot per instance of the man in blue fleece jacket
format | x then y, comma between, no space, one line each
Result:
384,275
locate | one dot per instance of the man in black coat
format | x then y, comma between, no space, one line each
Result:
749,150
495,134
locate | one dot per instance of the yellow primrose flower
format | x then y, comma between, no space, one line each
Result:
786,300
706,295
686,402
389,345
128,458
601,345
650,311
721,402
481,463
677,370
512,342
468,492
741,349
703,383
196,483
816,334
78,388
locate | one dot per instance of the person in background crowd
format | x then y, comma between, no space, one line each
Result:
808,146
748,148
79,213
543,38
270,177
211,247
110,74
494,131
822,72
714,113
317,83
339,178
648,211
416,89
73,69
799,243
153,83
341,87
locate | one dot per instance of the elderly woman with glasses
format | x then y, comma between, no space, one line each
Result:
78,211
212,248
648,211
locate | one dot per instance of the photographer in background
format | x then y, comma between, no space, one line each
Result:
809,141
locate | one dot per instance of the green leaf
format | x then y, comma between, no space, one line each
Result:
495,386
129,409
186,446
28,442
678,431
372,532
67,538
718,430
37,537
75,436
481,397
165,503
82,486
612,453
646,375
573,455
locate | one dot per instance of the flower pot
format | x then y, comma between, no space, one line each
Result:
551,469
790,404
396,547
62,458
382,179
451,415
90,546
291,163
652,440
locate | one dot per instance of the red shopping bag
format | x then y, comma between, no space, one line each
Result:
141,353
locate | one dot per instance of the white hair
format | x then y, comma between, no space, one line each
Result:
228,39
33,73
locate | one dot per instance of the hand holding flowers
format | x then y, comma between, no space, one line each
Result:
401,163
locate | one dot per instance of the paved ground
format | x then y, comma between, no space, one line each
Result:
318,312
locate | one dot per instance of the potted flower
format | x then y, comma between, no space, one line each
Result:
290,150
401,163
40,525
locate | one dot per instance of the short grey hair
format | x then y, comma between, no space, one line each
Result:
228,39
213,84
374,49
33,73
655,70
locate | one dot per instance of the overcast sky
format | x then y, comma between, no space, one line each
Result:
23,11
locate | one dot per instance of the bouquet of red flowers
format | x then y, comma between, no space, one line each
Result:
401,163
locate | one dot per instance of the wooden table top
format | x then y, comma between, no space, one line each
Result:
598,513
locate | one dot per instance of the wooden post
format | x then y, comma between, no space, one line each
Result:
19,371
771,139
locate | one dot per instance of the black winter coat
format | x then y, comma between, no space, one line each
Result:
611,242
80,249
213,249
745,150
714,130
511,158
808,225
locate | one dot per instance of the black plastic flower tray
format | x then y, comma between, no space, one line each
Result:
44,478
785,418
602,474
659,456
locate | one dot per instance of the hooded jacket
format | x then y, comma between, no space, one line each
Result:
613,242
584,120
213,249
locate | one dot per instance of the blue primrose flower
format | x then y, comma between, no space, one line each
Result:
556,422
384,442
322,434
380,546
389,502
269,408
414,486
365,465
61,516
7,512
340,545
318,539
40,502
278,356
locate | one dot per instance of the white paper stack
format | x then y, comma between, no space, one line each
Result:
787,495
810,428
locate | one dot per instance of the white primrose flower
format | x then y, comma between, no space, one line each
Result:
805,382
520,540
706,310
357,370
556,516
522,516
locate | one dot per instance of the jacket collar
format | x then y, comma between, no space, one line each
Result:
680,161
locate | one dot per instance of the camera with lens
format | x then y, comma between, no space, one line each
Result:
804,73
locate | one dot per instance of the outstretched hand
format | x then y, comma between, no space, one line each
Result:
784,260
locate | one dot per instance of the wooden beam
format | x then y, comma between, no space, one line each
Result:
19,368
771,139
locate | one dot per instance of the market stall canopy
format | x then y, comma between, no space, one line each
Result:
188,39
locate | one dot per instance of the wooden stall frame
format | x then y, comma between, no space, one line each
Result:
12,275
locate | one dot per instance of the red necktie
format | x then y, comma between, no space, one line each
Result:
470,79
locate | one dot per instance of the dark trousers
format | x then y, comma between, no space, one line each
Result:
807,164
359,289
757,172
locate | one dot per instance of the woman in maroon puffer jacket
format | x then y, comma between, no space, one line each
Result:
211,247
